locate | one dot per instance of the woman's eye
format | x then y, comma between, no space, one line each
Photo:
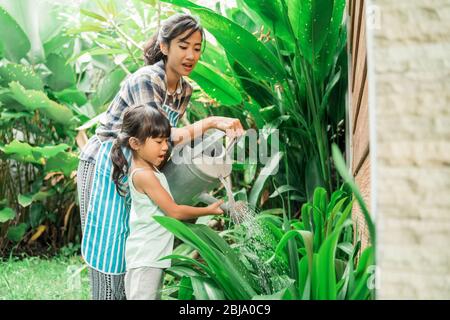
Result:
184,48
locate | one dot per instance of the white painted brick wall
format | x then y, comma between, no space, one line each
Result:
409,62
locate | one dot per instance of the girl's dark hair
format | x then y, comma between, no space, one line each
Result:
140,122
170,28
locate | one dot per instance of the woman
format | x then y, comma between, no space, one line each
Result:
171,54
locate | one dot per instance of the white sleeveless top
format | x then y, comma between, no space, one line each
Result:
148,240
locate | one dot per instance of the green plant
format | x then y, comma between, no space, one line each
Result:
326,257
41,104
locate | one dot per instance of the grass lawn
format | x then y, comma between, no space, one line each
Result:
35,278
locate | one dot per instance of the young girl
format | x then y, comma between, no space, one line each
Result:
170,55
145,131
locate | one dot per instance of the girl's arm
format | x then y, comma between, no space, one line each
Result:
145,181
231,125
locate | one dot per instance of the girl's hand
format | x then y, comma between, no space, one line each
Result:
214,208
231,126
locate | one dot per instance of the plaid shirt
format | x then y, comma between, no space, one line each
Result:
147,86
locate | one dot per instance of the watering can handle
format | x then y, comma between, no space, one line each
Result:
209,199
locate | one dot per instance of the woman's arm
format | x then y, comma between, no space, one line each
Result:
146,181
190,132
231,126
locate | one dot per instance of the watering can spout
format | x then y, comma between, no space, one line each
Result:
209,199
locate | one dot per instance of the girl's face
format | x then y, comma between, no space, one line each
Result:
153,151
182,56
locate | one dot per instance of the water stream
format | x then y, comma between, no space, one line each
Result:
256,245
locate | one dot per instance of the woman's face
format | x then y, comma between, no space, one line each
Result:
183,54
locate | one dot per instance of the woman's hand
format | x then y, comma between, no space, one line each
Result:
231,126
214,208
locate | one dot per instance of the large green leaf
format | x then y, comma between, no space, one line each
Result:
310,20
22,74
257,91
180,270
215,84
225,267
33,100
107,89
62,75
304,281
305,236
22,151
65,162
319,208
238,42
185,291
71,95
216,56
56,43
269,169
326,268
29,14
205,289
37,215
14,41
6,214
16,233
282,189
330,47
271,12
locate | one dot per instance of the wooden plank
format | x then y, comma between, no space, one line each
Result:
356,97
361,134
356,39
363,179
352,23
359,71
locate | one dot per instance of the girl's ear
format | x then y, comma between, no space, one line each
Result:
134,143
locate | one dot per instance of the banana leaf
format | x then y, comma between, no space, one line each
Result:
22,74
15,43
33,100
63,76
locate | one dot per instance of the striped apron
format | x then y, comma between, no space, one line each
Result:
106,227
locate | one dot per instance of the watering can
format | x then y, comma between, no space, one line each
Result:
195,169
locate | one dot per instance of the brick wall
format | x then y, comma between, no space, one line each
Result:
409,99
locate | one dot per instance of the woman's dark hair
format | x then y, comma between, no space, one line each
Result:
140,122
170,28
